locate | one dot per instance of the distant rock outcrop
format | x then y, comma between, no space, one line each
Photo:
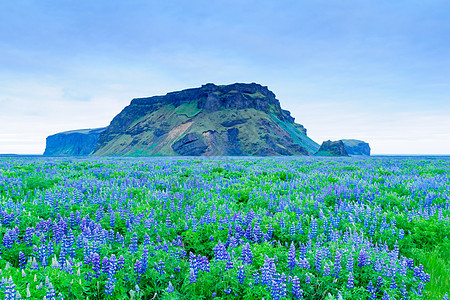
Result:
332,148
343,148
72,143
236,119
356,147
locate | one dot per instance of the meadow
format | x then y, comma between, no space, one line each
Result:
225,228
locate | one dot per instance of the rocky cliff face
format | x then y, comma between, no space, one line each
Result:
357,147
236,119
72,143
332,148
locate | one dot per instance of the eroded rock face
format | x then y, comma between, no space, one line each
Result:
192,144
73,143
357,147
332,148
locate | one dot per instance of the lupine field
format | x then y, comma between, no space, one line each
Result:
225,228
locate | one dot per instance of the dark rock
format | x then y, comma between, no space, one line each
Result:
73,143
357,147
192,144
332,148
233,142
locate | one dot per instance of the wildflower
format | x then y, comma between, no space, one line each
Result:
22,260
51,295
133,243
337,263
350,264
170,288
296,291
241,274
192,276
350,281
291,257
318,261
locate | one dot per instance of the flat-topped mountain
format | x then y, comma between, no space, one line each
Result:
236,119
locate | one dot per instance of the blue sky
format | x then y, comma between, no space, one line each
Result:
372,70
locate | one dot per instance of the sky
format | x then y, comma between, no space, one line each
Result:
378,71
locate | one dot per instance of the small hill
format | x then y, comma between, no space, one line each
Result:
236,119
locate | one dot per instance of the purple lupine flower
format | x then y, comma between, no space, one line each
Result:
112,219
247,254
248,232
144,259
270,230
302,251
204,264
170,288
296,291
241,274
307,279
233,242
275,287
393,284
257,234
22,260
105,265
385,296
51,295
7,242
445,297
318,261
256,278
379,283
282,287
109,287
96,264
168,221
403,290
120,262
337,263
146,240
138,269
133,243
220,252
292,230
350,281
192,276
10,290
326,271
28,238
160,267
362,259
350,264
313,231
229,264
291,257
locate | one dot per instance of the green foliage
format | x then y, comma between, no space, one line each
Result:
37,182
